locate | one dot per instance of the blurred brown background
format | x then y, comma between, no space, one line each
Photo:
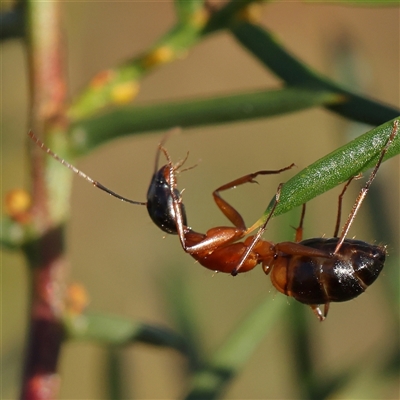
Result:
123,259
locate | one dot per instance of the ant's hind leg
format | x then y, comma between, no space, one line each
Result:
340,201
316,310
365,189
326,309
299,229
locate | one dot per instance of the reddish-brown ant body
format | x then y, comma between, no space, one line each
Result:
313,271
159,200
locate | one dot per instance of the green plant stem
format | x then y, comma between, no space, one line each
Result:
118,85
114,373
183,313
111,330
263,45
228,14
225,363
366,3
128,120
301,346
185,9
12,22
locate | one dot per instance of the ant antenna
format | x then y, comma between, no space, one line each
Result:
166,136
80,173
365,189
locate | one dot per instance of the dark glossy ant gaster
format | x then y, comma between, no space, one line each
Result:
314,271
159,200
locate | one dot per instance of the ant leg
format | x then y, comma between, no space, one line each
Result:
232,214
339,214
316,310
299,229
365,189
286,247
326,309
218,236
260,232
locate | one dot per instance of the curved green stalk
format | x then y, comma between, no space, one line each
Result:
209,382
263,45
128,120
112,330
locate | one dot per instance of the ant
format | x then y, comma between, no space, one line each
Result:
313,271
159,200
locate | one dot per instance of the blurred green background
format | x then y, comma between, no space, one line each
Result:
123,259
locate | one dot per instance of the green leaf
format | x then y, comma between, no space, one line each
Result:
263,45
123,121
235,351
335,168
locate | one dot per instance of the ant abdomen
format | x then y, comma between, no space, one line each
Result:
337,277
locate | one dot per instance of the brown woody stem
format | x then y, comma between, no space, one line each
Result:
44,253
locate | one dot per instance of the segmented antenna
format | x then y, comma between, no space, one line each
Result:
79,172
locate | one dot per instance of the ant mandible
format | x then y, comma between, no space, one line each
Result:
313,271
159,200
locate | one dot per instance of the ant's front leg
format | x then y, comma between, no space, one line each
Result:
193,242
226,208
